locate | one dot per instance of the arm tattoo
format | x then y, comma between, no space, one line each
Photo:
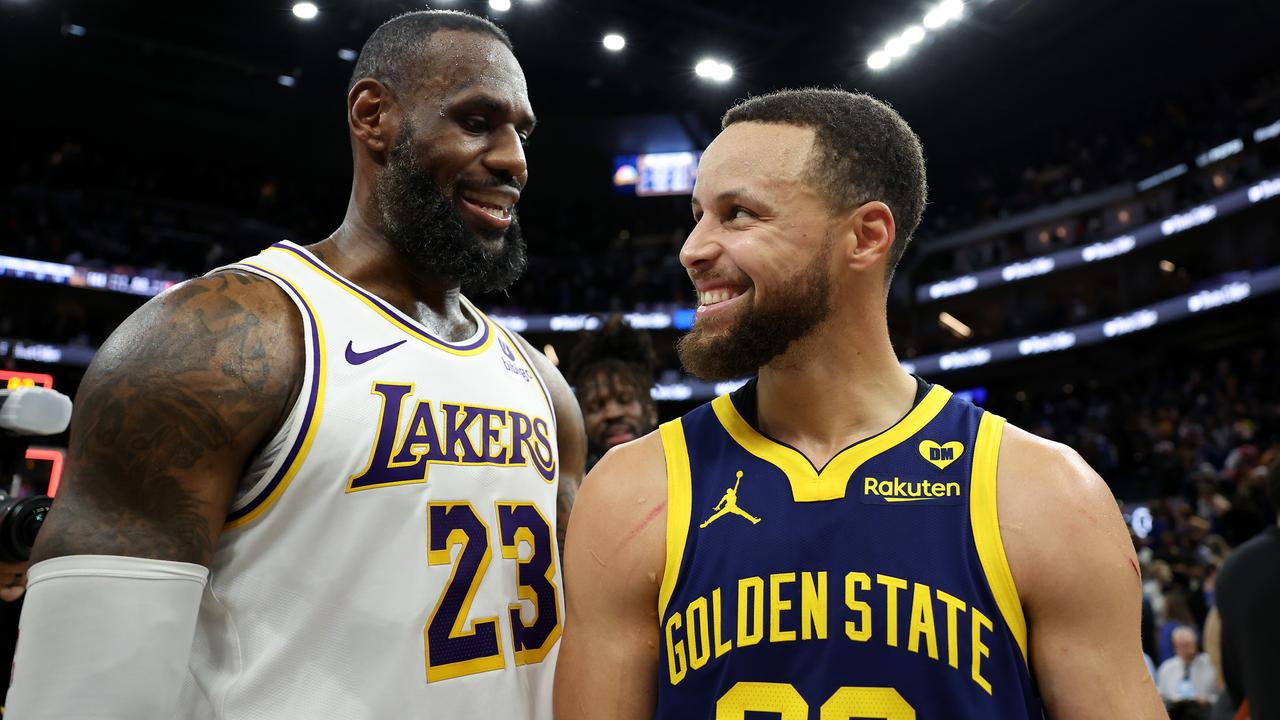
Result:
166,418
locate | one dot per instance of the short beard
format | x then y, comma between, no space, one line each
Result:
422,222
763,332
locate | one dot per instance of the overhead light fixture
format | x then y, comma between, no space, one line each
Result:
77,30
348,54
878,60
287,80
957,328
305,10
913,34
614,42
712,69
897,47
500,5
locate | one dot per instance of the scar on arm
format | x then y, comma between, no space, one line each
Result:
648,518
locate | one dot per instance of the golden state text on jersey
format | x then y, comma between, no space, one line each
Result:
876,587
391,552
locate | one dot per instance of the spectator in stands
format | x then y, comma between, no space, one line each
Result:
1247,590
1188,676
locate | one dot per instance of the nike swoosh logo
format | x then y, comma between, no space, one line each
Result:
360,358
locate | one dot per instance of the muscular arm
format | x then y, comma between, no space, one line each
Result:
570,436
169,412
613,569
1077,576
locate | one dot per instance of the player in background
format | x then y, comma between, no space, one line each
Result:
611,370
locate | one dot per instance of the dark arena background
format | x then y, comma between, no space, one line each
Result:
1099,261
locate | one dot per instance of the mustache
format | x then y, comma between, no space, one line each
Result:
484,183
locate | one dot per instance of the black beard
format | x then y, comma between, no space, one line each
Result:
422,222
763,332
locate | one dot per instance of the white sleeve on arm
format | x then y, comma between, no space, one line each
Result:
104,638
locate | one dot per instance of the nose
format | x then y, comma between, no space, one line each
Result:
700,248
506,156
613,409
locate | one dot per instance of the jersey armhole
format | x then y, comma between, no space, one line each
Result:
679,508
984,521
299,429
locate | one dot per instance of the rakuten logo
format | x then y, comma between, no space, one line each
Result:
1036,344
1030,268
1126,324
1225,295
955,286
1189,219
1108,248
965,358
1264,190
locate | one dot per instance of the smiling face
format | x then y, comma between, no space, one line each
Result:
615,408
448,190
760,254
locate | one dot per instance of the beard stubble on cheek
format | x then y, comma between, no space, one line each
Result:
422,222
764,331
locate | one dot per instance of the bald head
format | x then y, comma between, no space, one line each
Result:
1184,642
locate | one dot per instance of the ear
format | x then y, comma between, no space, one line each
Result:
373,116
873,231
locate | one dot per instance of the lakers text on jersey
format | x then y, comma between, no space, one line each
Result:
876,587
391,552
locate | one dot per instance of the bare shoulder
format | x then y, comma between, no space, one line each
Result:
618,528
169,411
1058,518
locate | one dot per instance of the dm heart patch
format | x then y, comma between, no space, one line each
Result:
941,455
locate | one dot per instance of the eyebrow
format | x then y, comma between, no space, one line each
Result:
494,106
740,193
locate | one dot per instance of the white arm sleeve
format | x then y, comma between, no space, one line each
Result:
104,638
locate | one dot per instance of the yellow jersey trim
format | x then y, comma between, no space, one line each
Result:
807,484
311,262
679,507
315,412
985,522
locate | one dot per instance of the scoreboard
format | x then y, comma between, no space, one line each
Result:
44,464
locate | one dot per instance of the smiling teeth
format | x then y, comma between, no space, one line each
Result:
496,212
712,297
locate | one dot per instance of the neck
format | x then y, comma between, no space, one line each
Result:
360,252
840,384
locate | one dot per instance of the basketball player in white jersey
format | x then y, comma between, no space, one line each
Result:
320,482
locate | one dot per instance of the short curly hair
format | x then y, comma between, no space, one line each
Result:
863,151
616,350
394,52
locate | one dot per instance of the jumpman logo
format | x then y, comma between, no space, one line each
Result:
729,505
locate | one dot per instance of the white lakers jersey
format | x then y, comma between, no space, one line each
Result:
392,553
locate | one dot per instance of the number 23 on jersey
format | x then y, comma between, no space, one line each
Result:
456,647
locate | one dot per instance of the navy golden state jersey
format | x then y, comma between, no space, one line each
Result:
874,588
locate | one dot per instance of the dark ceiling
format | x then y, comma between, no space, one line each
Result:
202,76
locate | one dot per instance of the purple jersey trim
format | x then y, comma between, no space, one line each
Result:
386,309
308,415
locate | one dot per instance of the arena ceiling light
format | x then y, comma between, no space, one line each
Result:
305,10
614,42
348,54
900,45
714,70
500,5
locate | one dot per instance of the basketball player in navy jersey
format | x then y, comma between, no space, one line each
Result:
838,539
323,463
